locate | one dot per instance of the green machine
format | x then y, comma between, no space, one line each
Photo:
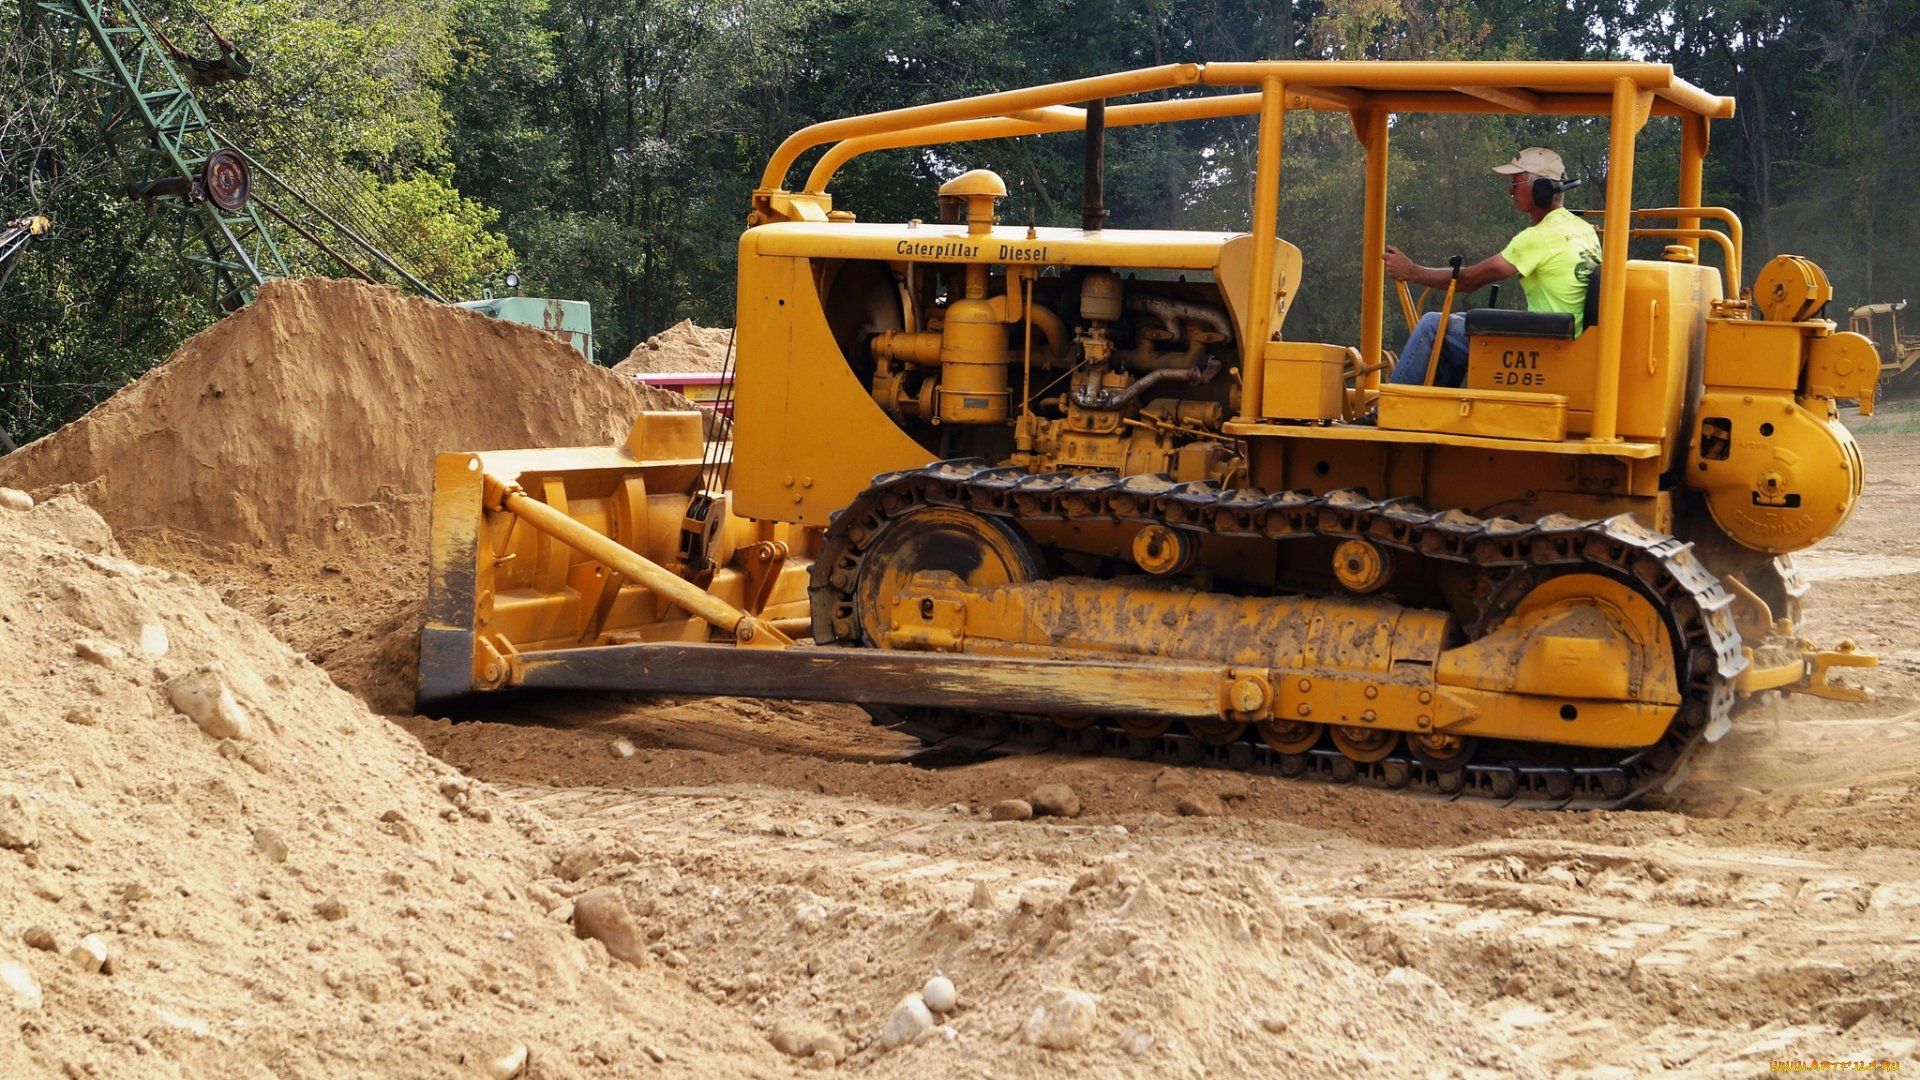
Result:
569,320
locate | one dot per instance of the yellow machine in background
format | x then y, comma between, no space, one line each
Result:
1074,486
1899,351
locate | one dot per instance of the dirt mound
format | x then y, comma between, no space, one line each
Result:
316,412
312,895
683,346
285,456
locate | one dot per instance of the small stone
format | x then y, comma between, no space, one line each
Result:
832,1046
19,825
620,748
268,843
1055,800
104,653
1278,1025
204,697
802,1038
414,978
658,1055
39,937
508,1065
332,909
577,862
1198,804
1677,825
90,953
15,499
1010,810
911,1019
19,985
153,639
602,915
1135,1041
939,994
1062,1020
982,899
83,715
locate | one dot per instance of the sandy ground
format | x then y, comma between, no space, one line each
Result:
1769,909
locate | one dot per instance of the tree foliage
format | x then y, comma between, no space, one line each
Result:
618,141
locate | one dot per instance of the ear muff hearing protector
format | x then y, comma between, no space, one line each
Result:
1545,189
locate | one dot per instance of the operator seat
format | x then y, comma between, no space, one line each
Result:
1522,408
1499,322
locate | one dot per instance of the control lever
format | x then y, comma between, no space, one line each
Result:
1446,312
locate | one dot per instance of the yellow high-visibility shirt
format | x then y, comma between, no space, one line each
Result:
1556,259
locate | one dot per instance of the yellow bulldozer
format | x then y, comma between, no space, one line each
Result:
1008,485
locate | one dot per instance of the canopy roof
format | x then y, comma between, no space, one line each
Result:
1538,87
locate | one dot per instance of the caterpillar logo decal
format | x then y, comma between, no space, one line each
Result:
1520,367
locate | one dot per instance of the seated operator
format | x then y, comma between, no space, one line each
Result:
1555,257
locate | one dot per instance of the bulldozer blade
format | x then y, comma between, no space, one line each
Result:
886,677
453,567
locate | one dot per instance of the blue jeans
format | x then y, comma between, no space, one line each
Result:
1412,367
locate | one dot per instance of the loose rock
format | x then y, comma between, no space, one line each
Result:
578,862
1055,800
206,699
982,898
806,1039
510,1064
1010,810
90,953
939,994
332,909
1199,804
19,826
39,937
602,915
104,653
1062,1020
911,1019
268,843
620,748
153,639
15,499
19,985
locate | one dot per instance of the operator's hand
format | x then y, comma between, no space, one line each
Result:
1399,267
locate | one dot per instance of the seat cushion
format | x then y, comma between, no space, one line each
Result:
1501,323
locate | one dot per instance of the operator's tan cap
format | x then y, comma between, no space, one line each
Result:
1537,160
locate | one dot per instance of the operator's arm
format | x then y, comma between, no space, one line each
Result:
1485,272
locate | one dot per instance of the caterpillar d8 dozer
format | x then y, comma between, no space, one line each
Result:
1074,488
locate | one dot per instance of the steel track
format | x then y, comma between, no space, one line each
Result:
1546,775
